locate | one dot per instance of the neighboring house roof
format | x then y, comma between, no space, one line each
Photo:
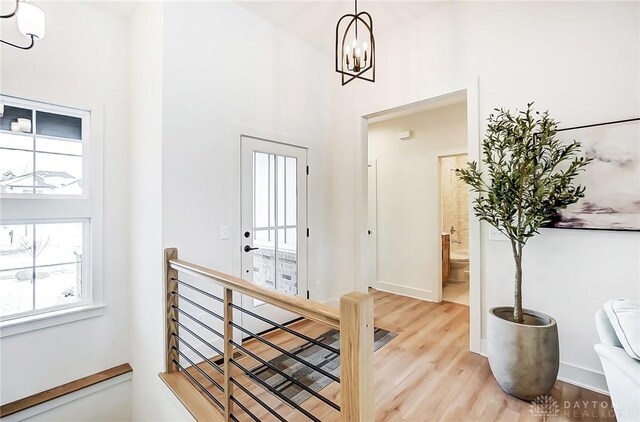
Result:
44,179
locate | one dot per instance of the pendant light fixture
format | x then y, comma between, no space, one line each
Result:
31,23
355,47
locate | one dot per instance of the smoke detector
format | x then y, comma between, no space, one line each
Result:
405,135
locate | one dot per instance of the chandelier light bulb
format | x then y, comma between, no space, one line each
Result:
364,46
31,20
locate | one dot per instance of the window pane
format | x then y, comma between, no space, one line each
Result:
287,266
292,195
58,125
58,146
57,285
261,189
11,114
272,191
16,243
16,141
58,243
16,171
292,238
264,262
281,191
17,292
58,174
50,251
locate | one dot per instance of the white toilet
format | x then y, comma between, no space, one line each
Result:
459,264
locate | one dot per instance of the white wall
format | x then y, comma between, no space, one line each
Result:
222,69
152,400
580,61
82,62
408,196
253,79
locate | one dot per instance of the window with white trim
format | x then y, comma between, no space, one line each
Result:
47,208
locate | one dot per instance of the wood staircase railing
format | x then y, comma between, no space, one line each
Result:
226,394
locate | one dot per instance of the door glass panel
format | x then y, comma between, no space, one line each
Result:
287,269
275,262
261,190
281,192
291,208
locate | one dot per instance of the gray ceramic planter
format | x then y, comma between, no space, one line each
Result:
524,358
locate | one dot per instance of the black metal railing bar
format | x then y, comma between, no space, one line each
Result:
211,346
195,381
242,406
200,355
274,391
197,321
287,376
286,352
257,399
204,374
287,329
202,308
198,290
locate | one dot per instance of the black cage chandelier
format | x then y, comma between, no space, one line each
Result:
355,47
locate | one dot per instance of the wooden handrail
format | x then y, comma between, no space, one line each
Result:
62,390
308,309
354,319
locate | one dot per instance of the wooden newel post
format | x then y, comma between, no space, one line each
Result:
170,285
356,357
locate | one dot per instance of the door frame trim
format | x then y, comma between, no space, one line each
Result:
236,133
470,90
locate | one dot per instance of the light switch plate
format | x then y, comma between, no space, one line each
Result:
224,232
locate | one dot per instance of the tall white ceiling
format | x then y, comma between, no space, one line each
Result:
315,21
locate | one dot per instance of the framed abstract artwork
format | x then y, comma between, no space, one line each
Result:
612,179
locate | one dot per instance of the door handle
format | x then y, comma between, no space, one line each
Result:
249,248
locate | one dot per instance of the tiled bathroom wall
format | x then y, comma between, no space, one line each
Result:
455,202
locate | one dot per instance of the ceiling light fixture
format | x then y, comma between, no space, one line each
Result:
355,53
31,23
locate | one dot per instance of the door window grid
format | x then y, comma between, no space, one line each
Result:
275,183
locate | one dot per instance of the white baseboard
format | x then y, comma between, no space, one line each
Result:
403,290
67,398
575,375
583,377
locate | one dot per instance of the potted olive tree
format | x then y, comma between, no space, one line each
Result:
529,176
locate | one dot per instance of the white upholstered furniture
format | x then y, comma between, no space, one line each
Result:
619,351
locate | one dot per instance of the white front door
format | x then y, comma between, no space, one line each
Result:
274,225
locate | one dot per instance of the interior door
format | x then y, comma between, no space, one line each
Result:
274,225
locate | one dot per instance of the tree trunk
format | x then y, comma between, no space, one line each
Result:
518,315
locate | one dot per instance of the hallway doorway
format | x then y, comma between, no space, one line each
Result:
401,225
454,211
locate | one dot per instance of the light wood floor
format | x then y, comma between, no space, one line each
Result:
426,373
